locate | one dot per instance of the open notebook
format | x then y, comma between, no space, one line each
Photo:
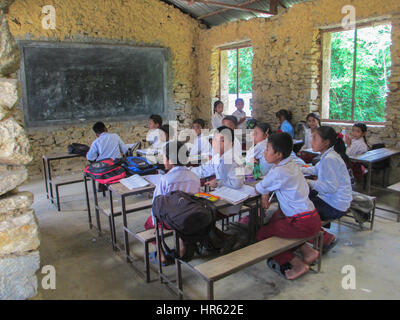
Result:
134,182
235,196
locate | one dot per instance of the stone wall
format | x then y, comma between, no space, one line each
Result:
19,235
134,22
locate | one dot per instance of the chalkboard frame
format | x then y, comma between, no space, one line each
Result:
33,124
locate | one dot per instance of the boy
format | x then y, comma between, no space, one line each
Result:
178,177
240,114
201,143
107,145
153,136
297,217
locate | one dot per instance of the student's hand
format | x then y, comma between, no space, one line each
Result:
264,201
347,140
212,183
254,160
309,182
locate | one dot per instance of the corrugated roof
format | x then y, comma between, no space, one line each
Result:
201,9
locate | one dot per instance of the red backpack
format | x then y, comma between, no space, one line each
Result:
106,171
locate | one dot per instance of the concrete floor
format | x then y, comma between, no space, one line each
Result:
87,268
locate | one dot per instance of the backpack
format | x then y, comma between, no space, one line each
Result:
78,148
361,207
139,165
106,171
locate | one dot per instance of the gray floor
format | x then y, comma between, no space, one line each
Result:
87,268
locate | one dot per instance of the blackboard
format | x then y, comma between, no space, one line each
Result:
66,83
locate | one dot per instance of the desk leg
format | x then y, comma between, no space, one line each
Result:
126,236
45,177
369,178
96,205
112,223
50,182
87,202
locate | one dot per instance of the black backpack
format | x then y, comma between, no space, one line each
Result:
78,148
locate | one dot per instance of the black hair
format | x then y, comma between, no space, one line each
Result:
174,151
281,142
315,116
264,127
237,100
231,118
200,122
166,128
216,103
99,127
224,131
284,113
328,133
156,119
363,128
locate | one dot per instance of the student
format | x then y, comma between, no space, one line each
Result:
332,190
240,114
178,177
313,122
231,122
153,136
201,143
256,153
357,144
107,145
297,217
284,117
217,117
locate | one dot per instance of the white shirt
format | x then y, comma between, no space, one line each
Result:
153,137
296,159
307,140
333,184
257,152
216,120
357,147
107,145
290,187
201,145
239,115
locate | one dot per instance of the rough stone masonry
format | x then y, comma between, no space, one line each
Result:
19,235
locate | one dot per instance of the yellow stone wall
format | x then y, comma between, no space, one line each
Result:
137,22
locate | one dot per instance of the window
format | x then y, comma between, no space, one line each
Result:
236,78
356,68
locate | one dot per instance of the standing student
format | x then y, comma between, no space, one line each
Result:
296,217
255,155
201,143
332,194
153,136
240,114
106,145
217,117
284,118
357,143
178,177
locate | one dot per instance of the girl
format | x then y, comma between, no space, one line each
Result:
256,153
217,117
331,192
313,122
357,144
284,117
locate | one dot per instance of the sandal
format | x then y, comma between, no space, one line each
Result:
153,259
279,269
328,247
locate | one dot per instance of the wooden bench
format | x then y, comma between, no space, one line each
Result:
63,181
395,188
233,262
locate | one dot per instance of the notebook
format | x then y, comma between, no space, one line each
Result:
235,196
153,178
134,182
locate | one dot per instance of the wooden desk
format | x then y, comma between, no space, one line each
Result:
373,156
46,159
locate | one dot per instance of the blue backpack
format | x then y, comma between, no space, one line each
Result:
139,165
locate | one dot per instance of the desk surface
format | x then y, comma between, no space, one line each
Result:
61,155
121,190
375,155
310,151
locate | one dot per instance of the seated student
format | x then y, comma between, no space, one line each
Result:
178,177
153,136
240,114
231,122
166,134
296,159
217,117
297,217
256,153
332,190
284,117
357,143
201,144
107,145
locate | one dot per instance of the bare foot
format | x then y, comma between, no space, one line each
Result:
298,268
309,254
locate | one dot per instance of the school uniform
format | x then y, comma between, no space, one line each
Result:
239,115
300,218
296,159
153,137
257,152
201,145
216,120
287,127
358,146
107,145
178,178
307,140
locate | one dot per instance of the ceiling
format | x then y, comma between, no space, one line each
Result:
213,15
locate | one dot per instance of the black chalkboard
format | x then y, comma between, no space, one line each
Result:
65,83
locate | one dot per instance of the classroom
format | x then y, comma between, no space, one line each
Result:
282,116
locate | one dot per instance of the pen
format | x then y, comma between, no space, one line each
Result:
272,195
